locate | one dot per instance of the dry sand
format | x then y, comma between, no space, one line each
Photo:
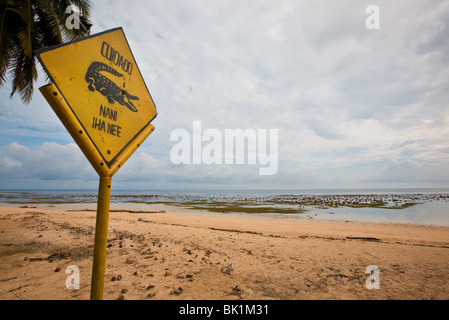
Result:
177,255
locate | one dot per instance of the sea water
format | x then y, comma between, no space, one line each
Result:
431,206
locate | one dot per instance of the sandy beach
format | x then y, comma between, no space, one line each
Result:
191,256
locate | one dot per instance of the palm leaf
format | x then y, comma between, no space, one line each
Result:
28,25
49,20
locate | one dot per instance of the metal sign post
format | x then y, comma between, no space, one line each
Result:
99,94
101,239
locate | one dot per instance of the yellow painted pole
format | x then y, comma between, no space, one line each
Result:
101,239
74,127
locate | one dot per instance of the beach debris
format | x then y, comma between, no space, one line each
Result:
8,279
121,297
57,257
116,278
398,268
58,269
36,259
130,260
262,282
151,295
124,290
228,269
177,292
363,238
51,258
148,287
237,291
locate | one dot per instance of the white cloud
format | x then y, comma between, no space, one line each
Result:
50,162
350,104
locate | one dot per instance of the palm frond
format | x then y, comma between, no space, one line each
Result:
28,25
3,11
23,73
15,71
48,19
10,23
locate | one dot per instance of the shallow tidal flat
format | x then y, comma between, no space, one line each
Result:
297,204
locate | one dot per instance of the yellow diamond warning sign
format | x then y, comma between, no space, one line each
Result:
108,101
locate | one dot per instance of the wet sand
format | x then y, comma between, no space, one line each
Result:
179,255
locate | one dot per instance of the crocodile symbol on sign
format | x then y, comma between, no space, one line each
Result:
106,87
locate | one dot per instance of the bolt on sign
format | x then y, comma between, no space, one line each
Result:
105,93
99,94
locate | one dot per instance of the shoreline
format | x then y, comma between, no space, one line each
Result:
422,206
342,213
198,256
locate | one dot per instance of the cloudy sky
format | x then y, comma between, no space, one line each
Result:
354,108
